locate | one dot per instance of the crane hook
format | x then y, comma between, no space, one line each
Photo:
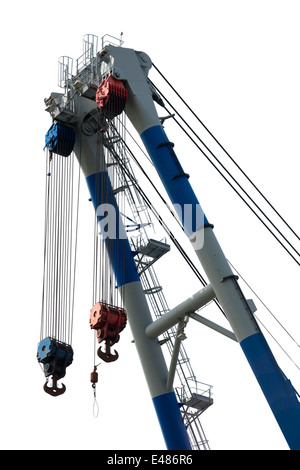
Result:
106,355
55,391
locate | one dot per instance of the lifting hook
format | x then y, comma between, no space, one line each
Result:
106,355
55,391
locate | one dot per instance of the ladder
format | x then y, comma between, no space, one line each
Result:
194,397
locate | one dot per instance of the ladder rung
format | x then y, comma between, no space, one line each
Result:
153,290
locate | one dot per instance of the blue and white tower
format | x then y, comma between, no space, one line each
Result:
77,108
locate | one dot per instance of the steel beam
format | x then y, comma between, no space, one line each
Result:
171,318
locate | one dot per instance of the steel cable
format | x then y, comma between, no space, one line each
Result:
231,185
60,247
227,153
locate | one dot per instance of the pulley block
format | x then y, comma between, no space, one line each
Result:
111,97
109,321
55,356
60,139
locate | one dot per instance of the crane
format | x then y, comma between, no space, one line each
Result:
106,84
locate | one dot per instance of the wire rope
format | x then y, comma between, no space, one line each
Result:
60,247
183,120
273,316
227,153
160,219
76,226
178,246
232,186
263,303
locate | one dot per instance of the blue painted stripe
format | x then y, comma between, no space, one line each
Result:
170,419
277,389
118,248
175,180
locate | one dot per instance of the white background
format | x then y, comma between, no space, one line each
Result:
237,64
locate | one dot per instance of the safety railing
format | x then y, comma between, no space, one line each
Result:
194,389
108,39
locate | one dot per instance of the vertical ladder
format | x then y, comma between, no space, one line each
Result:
193,397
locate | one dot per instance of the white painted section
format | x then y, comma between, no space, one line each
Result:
88,149
171,318
213,325
175,354
226,288
149,350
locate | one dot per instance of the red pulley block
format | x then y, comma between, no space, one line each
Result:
109,321
111,97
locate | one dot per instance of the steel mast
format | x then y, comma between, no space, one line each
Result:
193,396
133,67
76,108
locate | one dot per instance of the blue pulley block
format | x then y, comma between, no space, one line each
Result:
60,139
55,356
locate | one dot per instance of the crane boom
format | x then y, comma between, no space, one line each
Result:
123,78
278,391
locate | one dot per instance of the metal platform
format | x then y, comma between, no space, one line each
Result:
152,249
195,394
200,402
193,397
